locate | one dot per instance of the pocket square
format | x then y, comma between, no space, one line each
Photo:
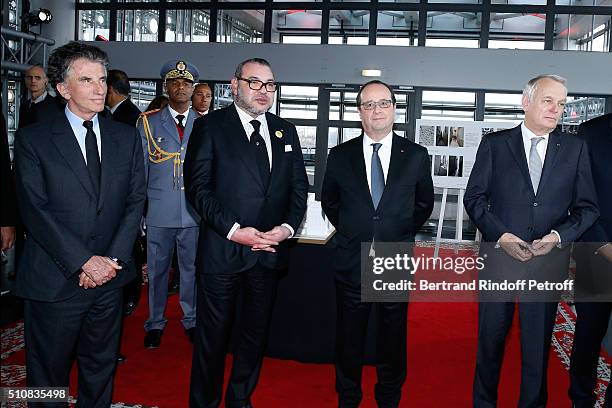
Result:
288,148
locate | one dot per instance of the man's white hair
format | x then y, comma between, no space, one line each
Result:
532,85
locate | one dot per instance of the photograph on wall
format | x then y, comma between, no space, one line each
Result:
456,136
440,165
441,135
427,135
452,145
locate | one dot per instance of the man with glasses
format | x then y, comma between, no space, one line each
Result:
245,176
377,188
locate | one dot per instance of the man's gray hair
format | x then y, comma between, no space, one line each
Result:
532,85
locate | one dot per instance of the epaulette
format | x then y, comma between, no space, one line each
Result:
147,113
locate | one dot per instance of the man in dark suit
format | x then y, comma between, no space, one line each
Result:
118,98
245,176
593,264
8,206
81,191
529,191
377,188
40,106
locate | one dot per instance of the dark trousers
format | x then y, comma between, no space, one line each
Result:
87,325
591,326
217,297
537,320
351,329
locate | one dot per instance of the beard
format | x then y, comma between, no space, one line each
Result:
243,104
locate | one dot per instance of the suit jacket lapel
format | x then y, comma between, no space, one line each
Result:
360,170
193,115
515,143
237,137
67,145
169,124
552,150
109,153
277,146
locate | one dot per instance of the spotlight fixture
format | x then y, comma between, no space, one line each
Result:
38,17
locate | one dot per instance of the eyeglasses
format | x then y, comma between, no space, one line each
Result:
382,104
256,84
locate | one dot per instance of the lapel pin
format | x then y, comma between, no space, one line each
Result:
159,139
279,134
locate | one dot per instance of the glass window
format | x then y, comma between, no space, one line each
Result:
187,25
580,32
533,2
309,93
517,30
142,93
296,26
397,28
453,29
137,25
223,96
456,1
308,142
240,26
349,27
448,105
93,1
503,107
582,2
93,23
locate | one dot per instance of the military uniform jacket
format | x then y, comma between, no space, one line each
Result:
164,154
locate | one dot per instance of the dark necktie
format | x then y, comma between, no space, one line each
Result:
180,119
180,127
93,158
378,177
261,153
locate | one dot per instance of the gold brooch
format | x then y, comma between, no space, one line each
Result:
278,133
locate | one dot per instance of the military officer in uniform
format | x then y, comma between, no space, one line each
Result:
171,221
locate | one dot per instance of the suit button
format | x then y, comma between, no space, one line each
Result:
267,197
376,218
99,211
535,204
93,237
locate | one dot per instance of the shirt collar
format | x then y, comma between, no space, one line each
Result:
76,122
40,98
528,134
246,117
386,141
174,113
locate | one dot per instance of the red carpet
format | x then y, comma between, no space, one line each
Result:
441,355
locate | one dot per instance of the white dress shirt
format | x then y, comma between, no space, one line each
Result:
173,113
384,153
246,119
80,132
